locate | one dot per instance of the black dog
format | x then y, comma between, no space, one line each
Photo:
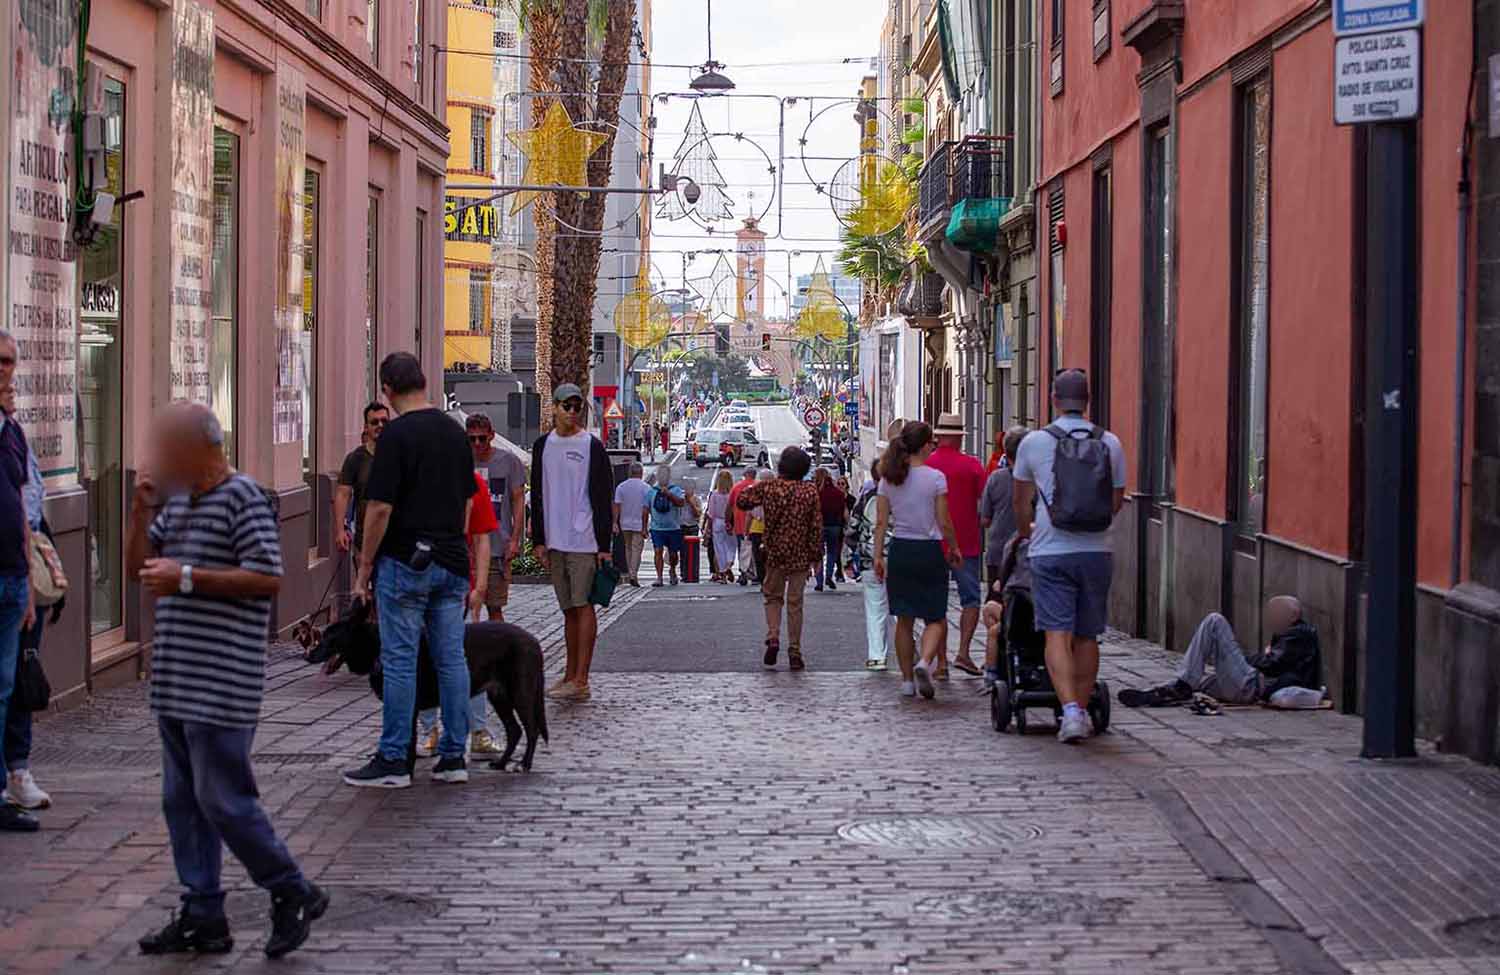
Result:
505,662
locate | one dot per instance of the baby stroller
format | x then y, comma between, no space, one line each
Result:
1024,681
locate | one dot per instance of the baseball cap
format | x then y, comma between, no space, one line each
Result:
566,392
1070,389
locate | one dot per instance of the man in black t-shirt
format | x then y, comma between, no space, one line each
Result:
354,479
416,518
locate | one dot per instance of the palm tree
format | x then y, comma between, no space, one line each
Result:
568,265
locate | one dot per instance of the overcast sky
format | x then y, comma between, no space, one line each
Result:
780,48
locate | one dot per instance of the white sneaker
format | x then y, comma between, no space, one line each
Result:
21,790
1074,728
924,681
908,689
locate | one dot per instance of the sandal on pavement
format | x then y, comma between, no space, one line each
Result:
772,649
794,659
967,666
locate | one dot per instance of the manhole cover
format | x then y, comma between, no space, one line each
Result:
1037,908
1482,933
349,908
939,833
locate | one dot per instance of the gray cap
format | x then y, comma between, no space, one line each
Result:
566,392
1070,390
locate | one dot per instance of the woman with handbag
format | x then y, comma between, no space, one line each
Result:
31,692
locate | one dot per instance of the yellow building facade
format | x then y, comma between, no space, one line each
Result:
469,230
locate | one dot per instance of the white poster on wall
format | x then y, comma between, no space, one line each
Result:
291,166
43,265
191,212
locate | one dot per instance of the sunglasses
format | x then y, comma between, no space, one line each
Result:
572,405
7,360
479,439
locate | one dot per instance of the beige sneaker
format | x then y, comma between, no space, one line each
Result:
427,744
576,693
560,690
484,743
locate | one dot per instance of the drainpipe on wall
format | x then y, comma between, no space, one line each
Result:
1460,354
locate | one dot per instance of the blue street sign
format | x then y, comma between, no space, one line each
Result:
1365,16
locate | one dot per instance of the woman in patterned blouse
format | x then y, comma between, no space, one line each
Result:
794,541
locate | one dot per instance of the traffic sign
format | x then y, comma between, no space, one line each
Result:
1377,77
613,411
1365,16
814,416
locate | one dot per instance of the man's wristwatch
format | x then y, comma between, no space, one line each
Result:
185,584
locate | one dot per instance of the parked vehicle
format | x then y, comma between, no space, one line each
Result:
731,447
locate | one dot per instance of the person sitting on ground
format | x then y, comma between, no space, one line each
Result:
1012,580
1291,659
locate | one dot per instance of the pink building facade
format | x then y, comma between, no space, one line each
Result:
291,154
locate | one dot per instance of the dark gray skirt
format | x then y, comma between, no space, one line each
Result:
916,579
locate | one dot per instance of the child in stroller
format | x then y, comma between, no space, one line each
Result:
1015,670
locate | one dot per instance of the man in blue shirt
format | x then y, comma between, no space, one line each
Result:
663,501
17,612
1070,570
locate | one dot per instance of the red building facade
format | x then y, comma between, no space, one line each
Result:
1203,222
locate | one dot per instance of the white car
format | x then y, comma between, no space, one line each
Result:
739,406
736,421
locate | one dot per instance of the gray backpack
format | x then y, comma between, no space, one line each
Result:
1083,496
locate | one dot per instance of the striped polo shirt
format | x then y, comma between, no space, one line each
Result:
208,664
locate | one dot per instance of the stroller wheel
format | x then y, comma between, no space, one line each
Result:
1099,707
1000,706
1020,715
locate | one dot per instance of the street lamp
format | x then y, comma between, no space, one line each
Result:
711,81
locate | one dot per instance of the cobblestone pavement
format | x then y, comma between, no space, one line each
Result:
730,822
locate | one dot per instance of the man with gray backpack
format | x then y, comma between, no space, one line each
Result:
1078,470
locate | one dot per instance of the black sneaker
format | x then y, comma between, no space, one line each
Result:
1165,696
744,580
380,773
14,819
832,586
292,916
454,771
182,935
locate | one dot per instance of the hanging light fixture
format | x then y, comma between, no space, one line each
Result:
711,80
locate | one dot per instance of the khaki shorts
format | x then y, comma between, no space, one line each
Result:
497,593
572,577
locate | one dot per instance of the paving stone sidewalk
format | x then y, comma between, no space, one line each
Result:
786,823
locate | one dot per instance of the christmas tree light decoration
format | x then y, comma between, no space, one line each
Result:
821,317
696,160
884,196
557,154
641,318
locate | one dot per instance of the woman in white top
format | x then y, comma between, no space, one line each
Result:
720,527
912,506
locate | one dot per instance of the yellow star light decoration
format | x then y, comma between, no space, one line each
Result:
557,154
886,193
641,318
821,316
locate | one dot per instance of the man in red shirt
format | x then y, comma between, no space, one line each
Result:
965,477
742,526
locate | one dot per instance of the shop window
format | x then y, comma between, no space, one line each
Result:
372,297
308,337
101,396
1252,242
224,354
1157,360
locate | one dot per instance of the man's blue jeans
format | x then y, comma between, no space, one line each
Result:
17,749
13,596
412,604
210,801
833,546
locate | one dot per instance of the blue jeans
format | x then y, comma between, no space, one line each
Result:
13,596
17,750
210,801
479,719
833,545
413,604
